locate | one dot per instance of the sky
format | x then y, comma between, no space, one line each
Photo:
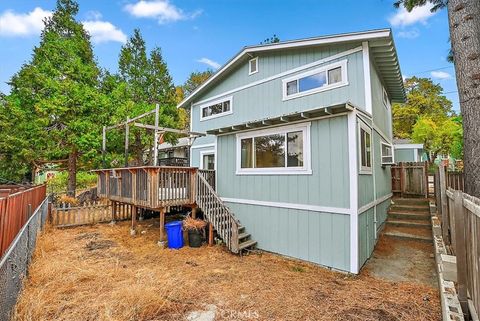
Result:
196,35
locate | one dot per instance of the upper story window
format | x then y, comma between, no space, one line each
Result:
316,80
385,98
282,150
216,108
365,134
253,66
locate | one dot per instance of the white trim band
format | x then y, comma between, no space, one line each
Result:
305,207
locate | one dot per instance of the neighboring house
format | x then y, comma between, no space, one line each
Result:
300,135
175,155
406,151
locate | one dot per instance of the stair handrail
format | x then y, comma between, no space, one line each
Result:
215,212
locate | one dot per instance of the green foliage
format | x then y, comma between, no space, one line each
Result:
54,109
272,39
58,184
437,137
410,4
424,98
193,82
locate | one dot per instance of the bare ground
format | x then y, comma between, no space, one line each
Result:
102,273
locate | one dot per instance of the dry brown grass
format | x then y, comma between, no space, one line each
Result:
102,273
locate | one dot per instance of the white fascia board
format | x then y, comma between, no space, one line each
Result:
358,36
408,146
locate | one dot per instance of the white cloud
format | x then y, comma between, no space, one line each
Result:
409,34
93,15
209,62
418,14
440,75
104,31
162,10
23,24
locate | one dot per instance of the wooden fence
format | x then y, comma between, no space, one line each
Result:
460,216
65,215
410,179
15,210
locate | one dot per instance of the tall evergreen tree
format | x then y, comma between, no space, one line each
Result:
55,96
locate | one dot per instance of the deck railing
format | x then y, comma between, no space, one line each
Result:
217,213
150,187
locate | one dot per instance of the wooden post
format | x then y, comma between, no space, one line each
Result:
458,213
155,137
210,234
426,179
114,209
402,172
194,211
104,145
161,242
127,132
444,203
133,230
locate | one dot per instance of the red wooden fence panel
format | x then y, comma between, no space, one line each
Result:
15,210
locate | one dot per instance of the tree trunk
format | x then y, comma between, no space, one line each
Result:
464,21
72,172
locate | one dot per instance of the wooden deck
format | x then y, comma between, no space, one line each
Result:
150,187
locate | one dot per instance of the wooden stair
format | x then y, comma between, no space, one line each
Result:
409,219
223,220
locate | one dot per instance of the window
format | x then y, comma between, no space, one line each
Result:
317,80
387,154
207,159
253,66
365,149
216,108
283,150
385,98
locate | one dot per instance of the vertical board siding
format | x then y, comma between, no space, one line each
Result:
404,155
327,186
265,100
322,238
381,114
383,174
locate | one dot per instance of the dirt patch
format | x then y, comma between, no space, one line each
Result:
99,245
136,280
86,236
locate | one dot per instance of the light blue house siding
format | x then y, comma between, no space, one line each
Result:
405,155
374,190
333,215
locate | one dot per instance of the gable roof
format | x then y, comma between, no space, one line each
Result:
382,50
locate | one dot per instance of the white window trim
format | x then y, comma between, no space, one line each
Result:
344,82
213,102
381,153
305,170
208,152
364,169
250,72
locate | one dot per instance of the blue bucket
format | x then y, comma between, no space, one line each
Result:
174,234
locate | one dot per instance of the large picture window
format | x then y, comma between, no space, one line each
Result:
216,108
283,150
365,137
313,81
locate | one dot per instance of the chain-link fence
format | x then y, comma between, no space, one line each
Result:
14,263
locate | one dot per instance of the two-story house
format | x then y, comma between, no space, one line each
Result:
300,134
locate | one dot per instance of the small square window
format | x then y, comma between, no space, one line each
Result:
365,149
253,66
292,87
387,154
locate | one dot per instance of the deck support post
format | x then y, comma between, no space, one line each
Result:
133,229
162,242
141,214
194,211
210,234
